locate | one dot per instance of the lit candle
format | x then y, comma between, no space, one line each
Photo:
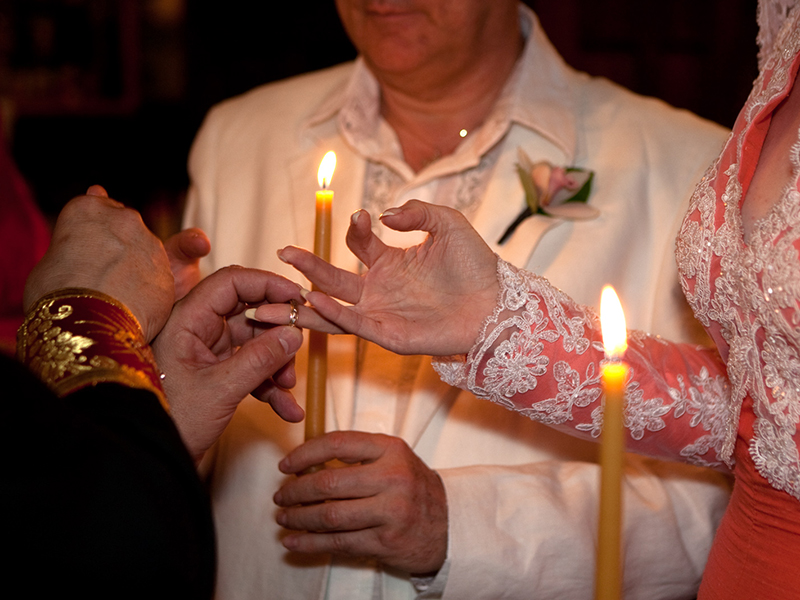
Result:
317,341
608,574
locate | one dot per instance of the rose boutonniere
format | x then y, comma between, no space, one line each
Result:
560,192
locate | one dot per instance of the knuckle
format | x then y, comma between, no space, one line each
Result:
394,444
129,222
391,537
227,271
397,478
263,354
402,513
337,441
330,516
339,544
78,209
79,204
326,482
231,271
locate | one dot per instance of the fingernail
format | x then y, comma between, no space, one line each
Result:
281,518
250,313
355,216
304,293
290,542
389,212
290,339
280,256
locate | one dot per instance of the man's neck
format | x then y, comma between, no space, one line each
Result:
430,116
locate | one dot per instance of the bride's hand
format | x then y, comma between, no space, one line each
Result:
427,299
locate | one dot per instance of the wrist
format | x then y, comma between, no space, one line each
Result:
76,337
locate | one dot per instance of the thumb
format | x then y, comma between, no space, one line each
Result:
187,246
362,241
184,250
258,359
416,215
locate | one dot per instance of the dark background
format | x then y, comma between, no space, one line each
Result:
112,91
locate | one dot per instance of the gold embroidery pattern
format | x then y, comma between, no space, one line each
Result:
78,337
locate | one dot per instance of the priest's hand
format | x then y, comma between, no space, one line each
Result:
213,356
427,299
99,244
385,503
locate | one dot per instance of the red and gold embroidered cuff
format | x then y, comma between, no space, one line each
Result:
76,337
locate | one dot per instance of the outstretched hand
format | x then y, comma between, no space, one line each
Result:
427,299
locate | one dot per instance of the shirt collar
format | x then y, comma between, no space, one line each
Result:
538,96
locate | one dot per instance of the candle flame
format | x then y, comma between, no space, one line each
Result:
612,321
326,168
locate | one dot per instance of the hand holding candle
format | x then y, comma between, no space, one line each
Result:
318,341
608,575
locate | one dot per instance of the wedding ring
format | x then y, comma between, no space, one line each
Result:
293,314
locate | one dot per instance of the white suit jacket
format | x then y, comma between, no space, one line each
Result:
522,500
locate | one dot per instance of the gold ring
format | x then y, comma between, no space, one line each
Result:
293,314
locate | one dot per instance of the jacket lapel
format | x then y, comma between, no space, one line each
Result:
504,199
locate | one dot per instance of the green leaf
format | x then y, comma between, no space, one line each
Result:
582,195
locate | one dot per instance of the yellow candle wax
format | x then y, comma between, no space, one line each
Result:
322,229
608,570
608,576
317,341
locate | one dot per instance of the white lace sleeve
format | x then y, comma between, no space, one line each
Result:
541,354
772,16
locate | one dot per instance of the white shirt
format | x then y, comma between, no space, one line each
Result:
521,499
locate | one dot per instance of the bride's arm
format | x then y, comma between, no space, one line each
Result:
528,346
540,354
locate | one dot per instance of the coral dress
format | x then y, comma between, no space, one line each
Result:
736,408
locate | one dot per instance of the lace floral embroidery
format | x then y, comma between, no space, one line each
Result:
748,294
772,15
383,187
540,354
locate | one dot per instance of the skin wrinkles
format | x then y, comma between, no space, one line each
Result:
440,64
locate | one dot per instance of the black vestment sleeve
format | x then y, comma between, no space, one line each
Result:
100,497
